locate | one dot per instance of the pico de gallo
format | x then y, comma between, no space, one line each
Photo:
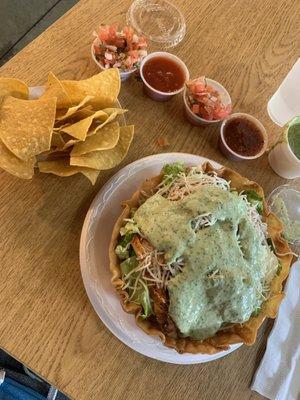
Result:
115,48
205,101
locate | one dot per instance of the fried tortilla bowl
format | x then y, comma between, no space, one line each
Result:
238,333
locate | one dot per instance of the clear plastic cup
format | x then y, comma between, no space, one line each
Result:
123,74
159,21
284,201
285,102
281,157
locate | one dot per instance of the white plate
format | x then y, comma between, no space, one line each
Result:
94,261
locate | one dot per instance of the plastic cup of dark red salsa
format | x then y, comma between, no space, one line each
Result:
242,137
163,75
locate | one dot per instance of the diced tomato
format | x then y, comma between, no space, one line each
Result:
206,101
142,43
128,32
119,48
134,55
103,33
195,108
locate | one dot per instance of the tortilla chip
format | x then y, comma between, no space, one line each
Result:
91,174
13,87
12,164
54,88
57,140
237,333
26,125
61,141
104,87
64,114
80,114
105,138
106,159
58,128
63,168
115,111
55,154
70,143
112,114
79,129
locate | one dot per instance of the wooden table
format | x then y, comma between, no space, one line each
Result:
46,319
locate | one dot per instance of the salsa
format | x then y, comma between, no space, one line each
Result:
205,100
115,48
164,74
243,136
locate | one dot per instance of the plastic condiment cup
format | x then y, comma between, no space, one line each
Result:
156,94
288,194
123,74
228,152
285,102
281,157
283,161
195,119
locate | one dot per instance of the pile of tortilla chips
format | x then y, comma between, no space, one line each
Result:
72,128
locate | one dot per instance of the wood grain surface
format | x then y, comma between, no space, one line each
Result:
46,319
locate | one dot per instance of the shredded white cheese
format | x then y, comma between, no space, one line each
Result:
151,267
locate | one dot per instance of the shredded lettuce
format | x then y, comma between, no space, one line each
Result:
271,245
256,312
128,265
141,295
279,268
255,199
123,249
122,252
171,171
129,228
143,298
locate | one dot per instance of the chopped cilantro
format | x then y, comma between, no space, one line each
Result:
171,171
256,312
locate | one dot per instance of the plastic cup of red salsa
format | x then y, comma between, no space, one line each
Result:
242,137
160,61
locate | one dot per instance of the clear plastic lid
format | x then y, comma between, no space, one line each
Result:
159,21
284,201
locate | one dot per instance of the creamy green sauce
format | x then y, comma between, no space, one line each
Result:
222,277
291,228
294,136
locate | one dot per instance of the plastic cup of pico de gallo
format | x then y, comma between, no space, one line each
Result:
214,115
163,75
242,137
123,74
122,49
